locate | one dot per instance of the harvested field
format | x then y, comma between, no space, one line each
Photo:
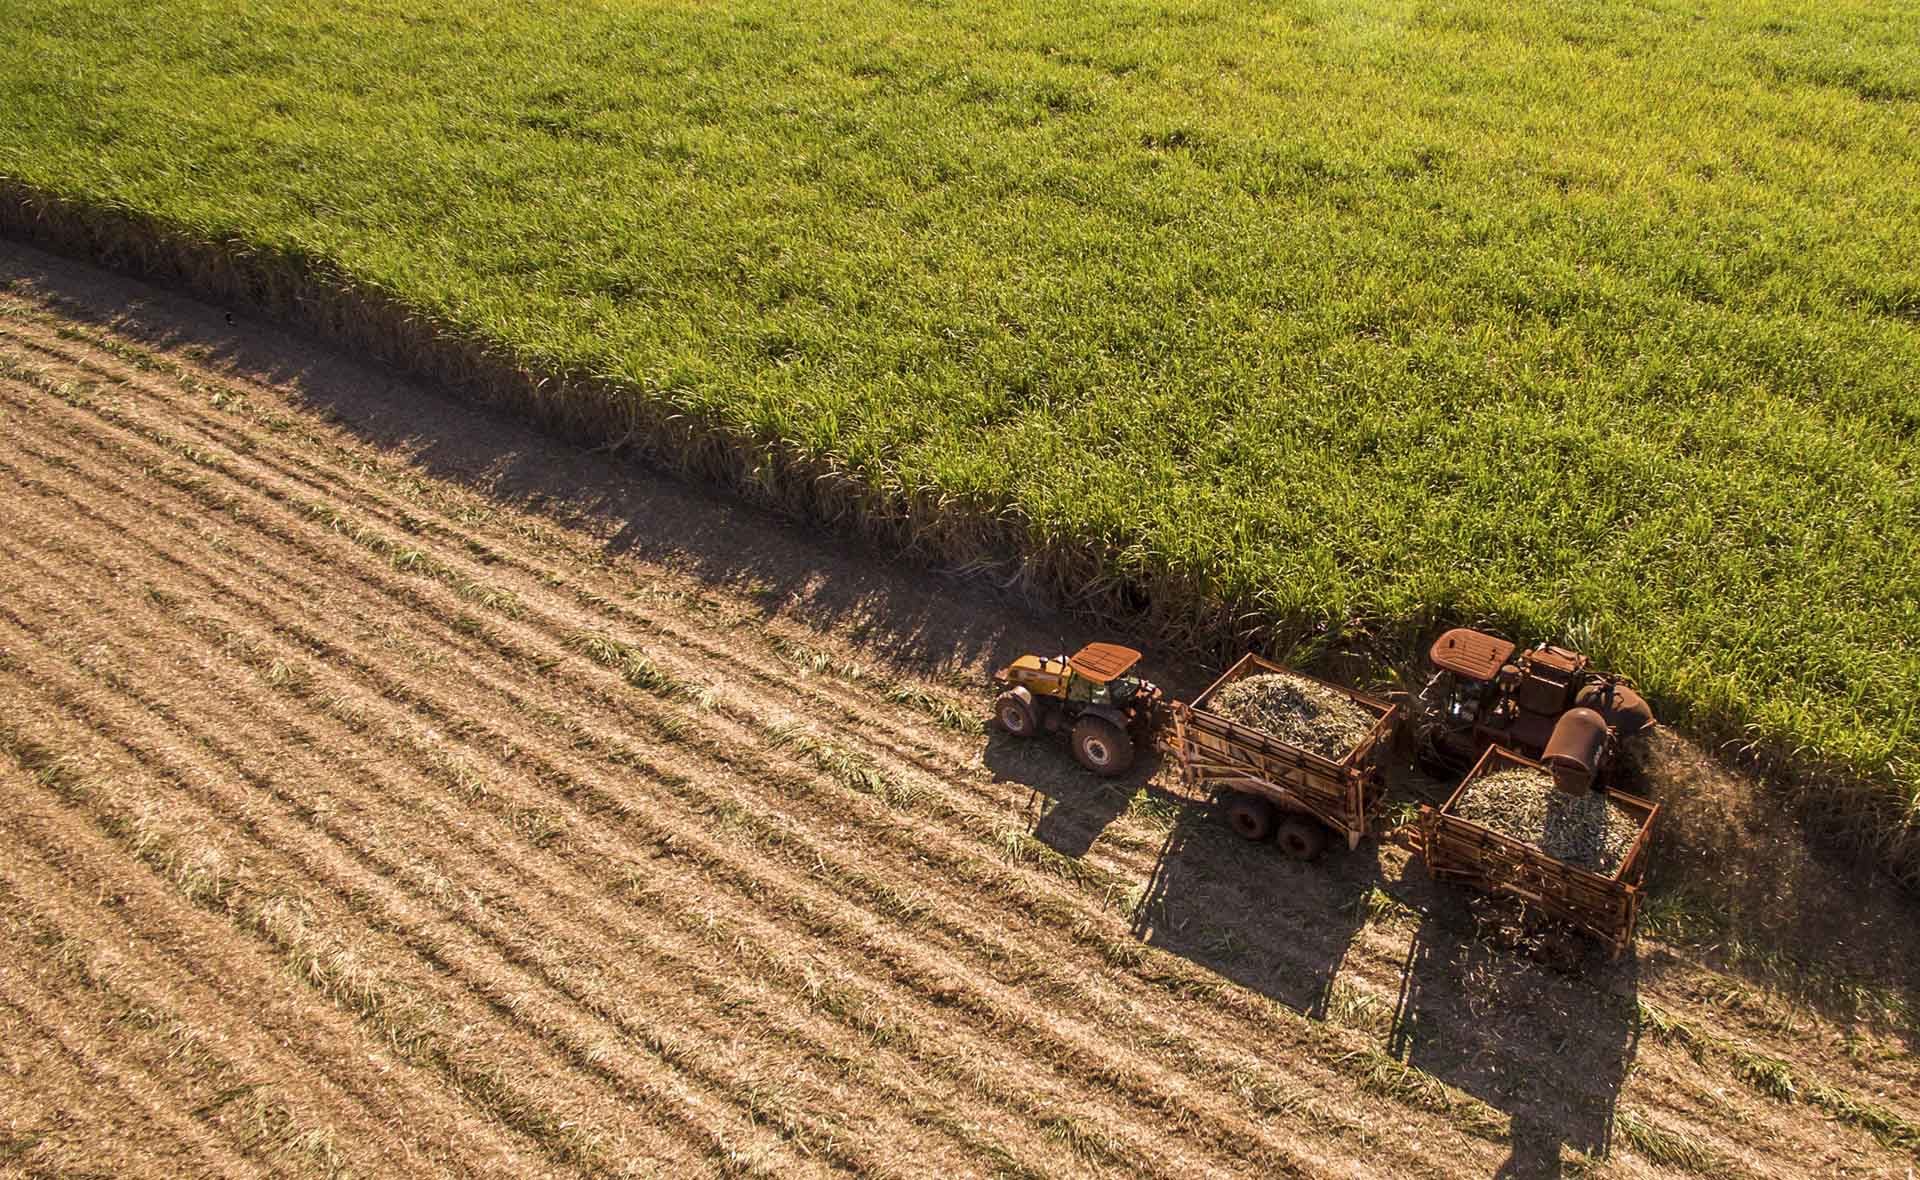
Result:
1220,317
390,791
1296,710
1588,830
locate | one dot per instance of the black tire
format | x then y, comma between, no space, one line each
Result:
1102,747
1301,838
1015,715
1252,817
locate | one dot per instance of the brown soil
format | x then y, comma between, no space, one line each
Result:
392,791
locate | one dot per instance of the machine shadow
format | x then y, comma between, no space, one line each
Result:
1548,1049
1067,807
1240,910
1248,913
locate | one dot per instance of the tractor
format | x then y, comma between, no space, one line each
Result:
1544,703
1089,694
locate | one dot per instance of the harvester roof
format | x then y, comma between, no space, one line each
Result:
1473,654
1101,662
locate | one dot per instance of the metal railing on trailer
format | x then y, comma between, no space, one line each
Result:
1344,794
1603,905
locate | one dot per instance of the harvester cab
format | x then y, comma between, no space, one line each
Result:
1091,694
1545,703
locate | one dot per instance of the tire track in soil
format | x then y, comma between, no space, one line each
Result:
68,1110
274,1129
98,1060
359,888
630,986
234,995
355,891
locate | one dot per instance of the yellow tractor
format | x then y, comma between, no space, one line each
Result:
1090,694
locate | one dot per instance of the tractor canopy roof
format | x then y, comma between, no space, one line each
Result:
1473,654
1101,662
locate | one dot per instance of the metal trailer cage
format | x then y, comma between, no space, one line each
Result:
1345,795
1470,853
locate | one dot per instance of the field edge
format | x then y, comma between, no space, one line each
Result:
1848,806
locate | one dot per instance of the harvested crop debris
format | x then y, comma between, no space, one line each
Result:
1588,830
1298,711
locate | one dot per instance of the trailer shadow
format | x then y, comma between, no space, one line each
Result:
1247,913
1240,910
1549,1049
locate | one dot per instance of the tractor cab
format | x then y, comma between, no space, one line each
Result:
1100,674
1469,663
1097,674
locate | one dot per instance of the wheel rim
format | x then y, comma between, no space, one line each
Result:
1246,823
1096,750
1012,719
1293,844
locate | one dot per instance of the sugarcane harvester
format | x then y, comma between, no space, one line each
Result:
1546,703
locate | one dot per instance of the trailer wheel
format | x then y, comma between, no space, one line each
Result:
1102,747
1301,838
1015,715
1250,816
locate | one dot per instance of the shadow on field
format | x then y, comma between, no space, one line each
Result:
1551,1051
915,618
1240,910
1738,881
1252,915
1732,866
1067,806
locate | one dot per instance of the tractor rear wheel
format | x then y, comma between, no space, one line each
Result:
1301,838
1015,714
1102,747
1251,816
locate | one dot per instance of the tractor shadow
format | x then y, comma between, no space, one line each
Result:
1549,1048
1067,807
1245,912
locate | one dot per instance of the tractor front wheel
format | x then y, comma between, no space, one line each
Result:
1251,816
1015,714
1102,747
